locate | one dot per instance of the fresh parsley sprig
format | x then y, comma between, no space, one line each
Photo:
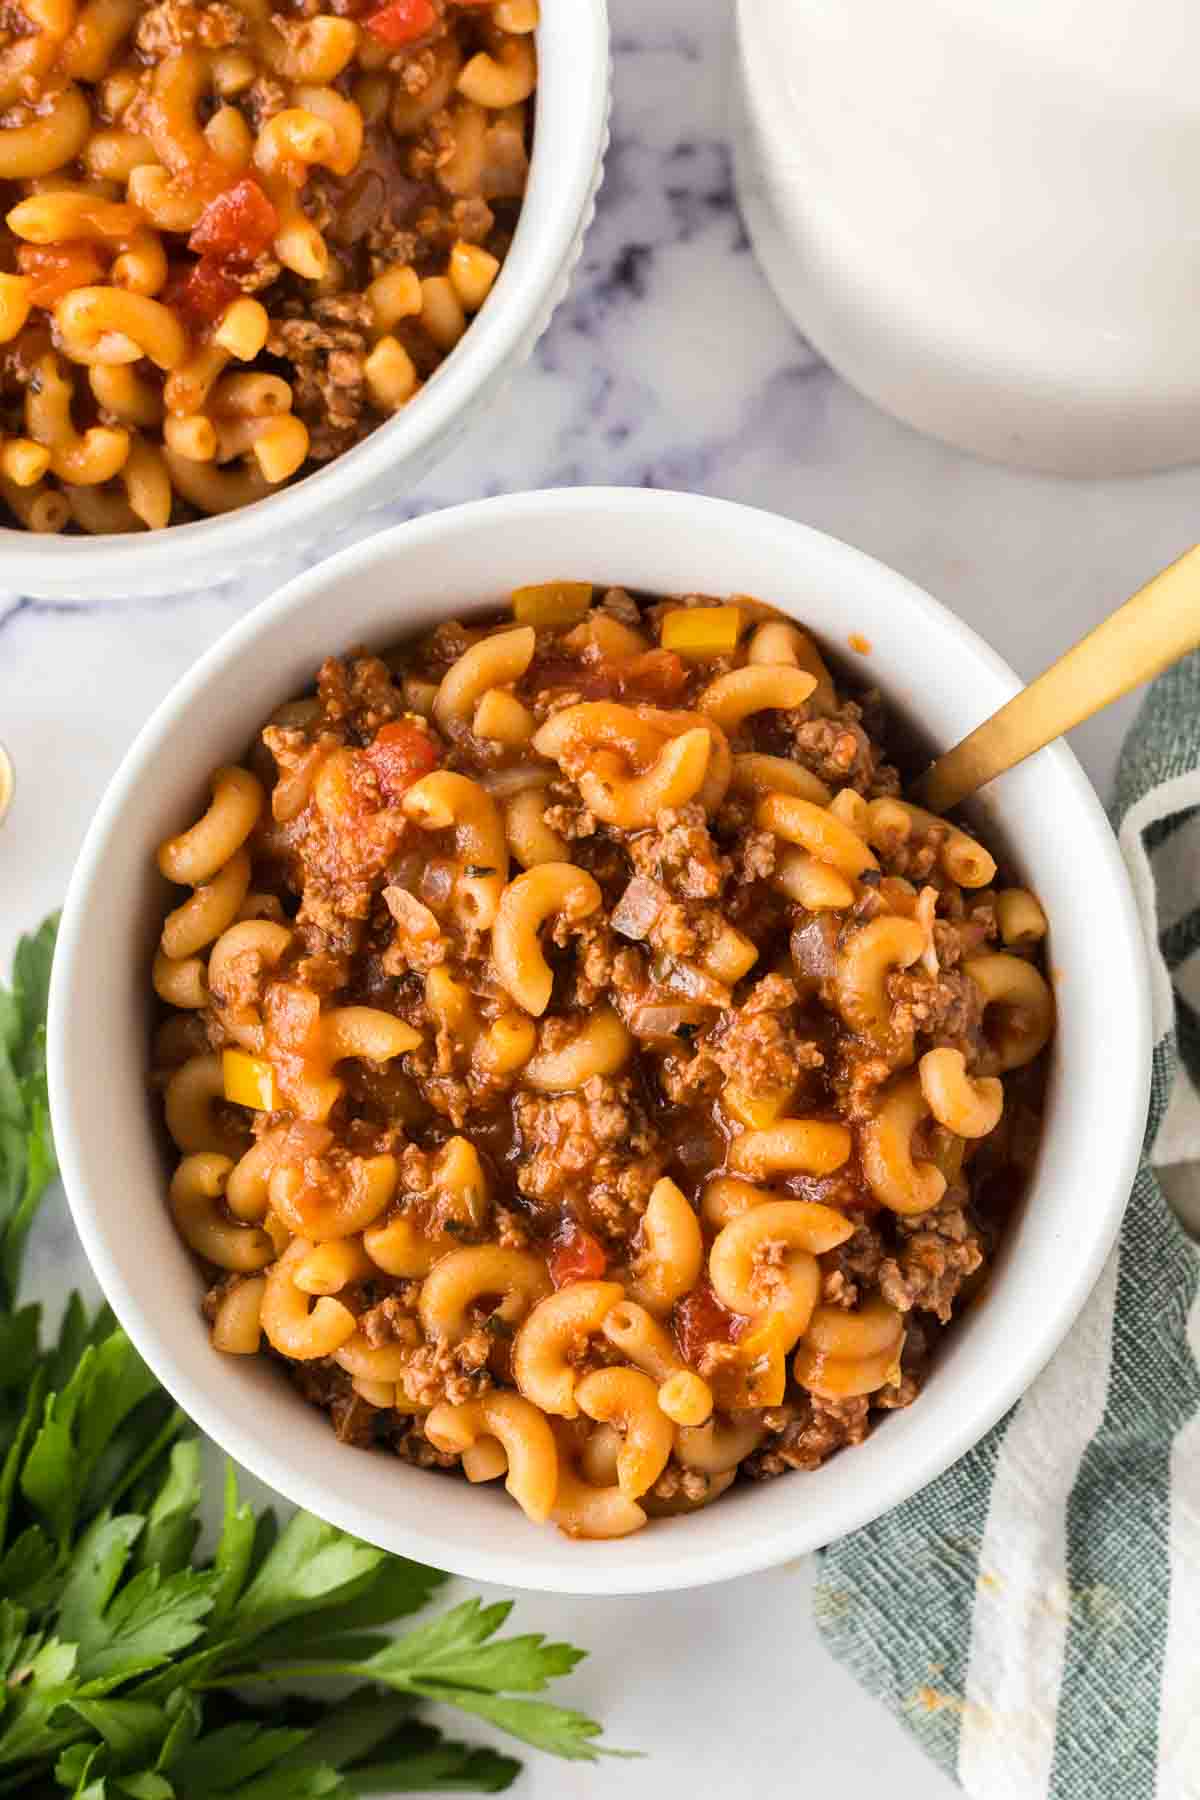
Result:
131,1668
27,1160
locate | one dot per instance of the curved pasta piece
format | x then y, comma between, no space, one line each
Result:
717,1447
333,1206
817,830
759,687
885,1144
113,325
180,981
816,886
755,774
720,758
504,79
837,1378
685,1398
633,801
601,1046
891,821
748,1281
51,140
672,1255
400,1249
443,801
457,1281
639,1336
550,890
779,641
237,1327
252,944
599,725
197,854
365,1031
583,1511
1020,918
866,959
331,1266
792,1147
291,1327
1021,995
211,910
557,1328
196,1192
491,662
628,1399
530,1461
247,1193
190,1102
375,1362
871,1328
530,839
968,1107
507,1045
595,742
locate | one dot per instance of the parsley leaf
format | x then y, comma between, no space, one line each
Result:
133,1669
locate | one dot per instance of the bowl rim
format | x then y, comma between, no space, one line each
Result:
570,126
1031,1349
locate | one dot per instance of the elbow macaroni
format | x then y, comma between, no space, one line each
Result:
190,192
590,1099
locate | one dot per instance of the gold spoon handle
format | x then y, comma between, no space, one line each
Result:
1155,628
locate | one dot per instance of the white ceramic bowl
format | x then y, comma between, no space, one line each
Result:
460,562
570,138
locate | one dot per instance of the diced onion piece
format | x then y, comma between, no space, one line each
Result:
663,1019
249,1080
551,603
638,908
411,914
702,631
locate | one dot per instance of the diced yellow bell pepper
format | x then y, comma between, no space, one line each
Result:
702,630
551,603
754,1111
249,1080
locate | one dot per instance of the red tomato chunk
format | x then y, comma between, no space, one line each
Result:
700,1319
400,755
656,675
402,21
57,268
201,293
237,226
577,1256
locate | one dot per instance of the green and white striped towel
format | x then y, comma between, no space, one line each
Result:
1034,1615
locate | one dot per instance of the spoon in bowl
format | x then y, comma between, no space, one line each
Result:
1143,637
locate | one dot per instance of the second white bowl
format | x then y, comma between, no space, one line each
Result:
570,137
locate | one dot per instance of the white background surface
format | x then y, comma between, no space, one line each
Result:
671,365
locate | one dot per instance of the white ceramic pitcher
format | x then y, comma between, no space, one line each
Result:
986,214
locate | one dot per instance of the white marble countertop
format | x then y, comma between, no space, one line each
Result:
669,365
